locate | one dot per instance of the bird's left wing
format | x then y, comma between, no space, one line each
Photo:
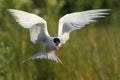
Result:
77,20
36,24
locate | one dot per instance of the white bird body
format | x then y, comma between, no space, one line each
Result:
67,24
49,45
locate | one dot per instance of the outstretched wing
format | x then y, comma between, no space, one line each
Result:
36,24
77,20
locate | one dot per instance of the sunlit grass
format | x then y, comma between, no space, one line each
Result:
92,53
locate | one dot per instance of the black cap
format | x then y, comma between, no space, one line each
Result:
56,40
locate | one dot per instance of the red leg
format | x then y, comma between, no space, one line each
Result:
46,54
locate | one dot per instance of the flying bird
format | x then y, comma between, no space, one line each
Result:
68,23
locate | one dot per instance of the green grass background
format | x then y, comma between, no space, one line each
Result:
92,53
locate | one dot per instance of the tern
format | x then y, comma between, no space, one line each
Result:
67,24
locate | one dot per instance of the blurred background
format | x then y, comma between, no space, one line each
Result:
92,53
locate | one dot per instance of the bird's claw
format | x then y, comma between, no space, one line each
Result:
46,54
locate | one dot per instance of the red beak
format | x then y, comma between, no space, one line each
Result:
57,47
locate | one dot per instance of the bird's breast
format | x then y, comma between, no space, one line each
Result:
49,45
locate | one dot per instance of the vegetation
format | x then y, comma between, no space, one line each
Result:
92,53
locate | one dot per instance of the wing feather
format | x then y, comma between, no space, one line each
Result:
77,20
36,24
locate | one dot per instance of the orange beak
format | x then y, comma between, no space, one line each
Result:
57,47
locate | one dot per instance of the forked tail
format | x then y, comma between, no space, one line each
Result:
40,55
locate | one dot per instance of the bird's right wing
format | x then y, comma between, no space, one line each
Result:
77,20
36,24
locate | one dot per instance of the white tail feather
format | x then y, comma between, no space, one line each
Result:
51,55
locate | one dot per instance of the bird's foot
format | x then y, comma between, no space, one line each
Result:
46,54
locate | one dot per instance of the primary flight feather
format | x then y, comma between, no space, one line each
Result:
67,24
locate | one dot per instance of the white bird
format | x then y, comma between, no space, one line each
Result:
67,24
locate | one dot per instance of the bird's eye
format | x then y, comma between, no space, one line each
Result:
56,40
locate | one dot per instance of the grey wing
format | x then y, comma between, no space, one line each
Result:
39,55
77,20
36,24
38,33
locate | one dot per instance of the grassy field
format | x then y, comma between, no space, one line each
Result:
92,53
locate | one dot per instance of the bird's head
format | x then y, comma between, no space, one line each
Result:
57,42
